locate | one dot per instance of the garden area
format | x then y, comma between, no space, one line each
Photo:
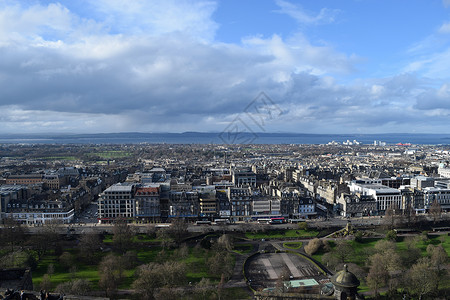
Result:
157,264
415,265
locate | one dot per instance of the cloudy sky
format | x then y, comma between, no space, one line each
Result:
354,66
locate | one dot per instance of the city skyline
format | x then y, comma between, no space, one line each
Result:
176,66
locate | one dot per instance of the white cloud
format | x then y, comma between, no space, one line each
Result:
445,28
296,12
126,66
156,17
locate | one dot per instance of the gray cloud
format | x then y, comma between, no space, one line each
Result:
178,79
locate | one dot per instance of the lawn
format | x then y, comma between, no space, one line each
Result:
243,248
195,261
293,245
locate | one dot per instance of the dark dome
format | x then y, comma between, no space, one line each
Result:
345,279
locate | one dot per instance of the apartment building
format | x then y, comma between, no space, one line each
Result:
117,201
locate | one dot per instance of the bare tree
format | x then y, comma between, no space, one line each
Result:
148,280
438,260
123,235
12,233
204,289
111,273
225,241
66,259
178,230
343,251
422,278
313,246
89,244
390,217
378,274
435,210
152,276
46,283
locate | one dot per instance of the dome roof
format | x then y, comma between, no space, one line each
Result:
345,279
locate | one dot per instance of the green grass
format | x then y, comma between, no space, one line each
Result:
62,274
110,154
58,158
281,234
243,248
293,245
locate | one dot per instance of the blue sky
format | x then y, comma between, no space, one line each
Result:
354,66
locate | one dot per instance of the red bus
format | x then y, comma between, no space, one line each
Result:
279,220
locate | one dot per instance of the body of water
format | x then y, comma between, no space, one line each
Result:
224,138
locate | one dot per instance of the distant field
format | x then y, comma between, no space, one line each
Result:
58,158
110,154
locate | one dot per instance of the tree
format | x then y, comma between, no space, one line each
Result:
313,246
391,235
412,253
204,289
89,244
45,238
164,237
178,230
378,274
46,283
152,276
79,287
225,242
12,233
422,278
122,235
148,280
50,270
221,263
66,260
330,260
435,210
390,217
111,273
382,264
438,260
303,226
343,251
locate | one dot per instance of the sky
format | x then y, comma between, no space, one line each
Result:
322,66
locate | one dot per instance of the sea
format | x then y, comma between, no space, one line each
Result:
224,138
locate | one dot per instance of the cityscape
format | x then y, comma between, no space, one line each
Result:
226,221
224,149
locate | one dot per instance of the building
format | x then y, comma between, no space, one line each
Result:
53,181
240,200
24,179
442,196
444,171
243,177
42,215
148,203
421,182
353,205
223,203
265,207
117,201
306,207
207,200
183,204
385,197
